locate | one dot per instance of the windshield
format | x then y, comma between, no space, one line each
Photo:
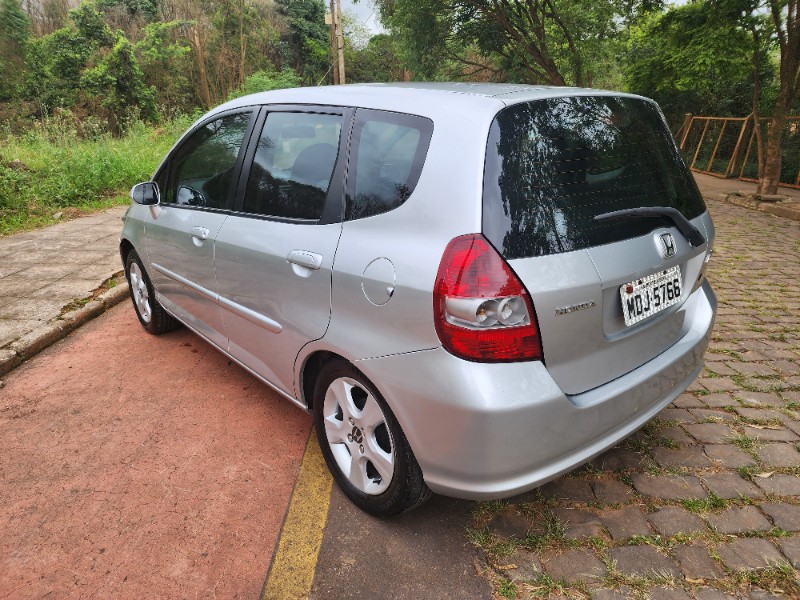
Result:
553,165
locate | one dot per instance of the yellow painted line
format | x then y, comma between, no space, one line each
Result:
292,572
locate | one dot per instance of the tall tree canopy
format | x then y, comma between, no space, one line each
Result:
690,60
556,42
15,27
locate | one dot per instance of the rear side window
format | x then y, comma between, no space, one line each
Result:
553,165
202,170
388,154
293,165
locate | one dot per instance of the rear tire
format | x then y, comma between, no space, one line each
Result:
363,444
151,314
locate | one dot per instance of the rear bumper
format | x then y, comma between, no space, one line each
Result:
484,431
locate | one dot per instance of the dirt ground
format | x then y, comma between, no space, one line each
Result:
133,466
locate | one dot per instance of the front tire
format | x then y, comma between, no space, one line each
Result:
151,314
363,444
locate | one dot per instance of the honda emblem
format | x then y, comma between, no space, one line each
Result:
666,245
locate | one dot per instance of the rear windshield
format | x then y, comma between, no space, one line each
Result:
553,165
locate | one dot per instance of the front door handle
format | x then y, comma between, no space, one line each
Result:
199,232
304,258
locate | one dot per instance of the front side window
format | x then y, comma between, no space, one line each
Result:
293,165
389,152
202,170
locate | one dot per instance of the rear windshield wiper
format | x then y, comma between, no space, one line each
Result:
689,231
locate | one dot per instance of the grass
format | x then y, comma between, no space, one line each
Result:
507,589
704,505
779,578
51,172
744,442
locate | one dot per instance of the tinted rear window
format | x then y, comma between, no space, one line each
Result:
389,150
553,165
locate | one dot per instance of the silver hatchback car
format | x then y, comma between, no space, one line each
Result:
473,288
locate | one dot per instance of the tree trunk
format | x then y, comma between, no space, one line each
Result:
788,34
205,91
769,181
242,44
757,99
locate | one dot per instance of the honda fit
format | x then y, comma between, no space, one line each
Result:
473,288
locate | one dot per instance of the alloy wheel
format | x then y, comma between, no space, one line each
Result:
358,436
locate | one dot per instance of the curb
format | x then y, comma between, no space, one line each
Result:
787,209
48,334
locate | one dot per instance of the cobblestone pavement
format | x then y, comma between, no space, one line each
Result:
704,502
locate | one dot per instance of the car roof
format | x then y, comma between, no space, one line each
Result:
415,97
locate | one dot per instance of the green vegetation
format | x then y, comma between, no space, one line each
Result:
51,169
705,505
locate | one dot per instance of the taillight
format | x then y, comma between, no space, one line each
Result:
482,310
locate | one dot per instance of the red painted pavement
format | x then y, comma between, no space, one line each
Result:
134,466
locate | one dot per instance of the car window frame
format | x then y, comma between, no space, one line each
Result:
425,125
165,171
333,211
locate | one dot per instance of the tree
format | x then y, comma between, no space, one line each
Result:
691,60
307,39
769,22
164,56
786,20
55,61
377,61
557,42
14,31
118,81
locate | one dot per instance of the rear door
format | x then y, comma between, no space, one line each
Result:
195,201
275,253
609,294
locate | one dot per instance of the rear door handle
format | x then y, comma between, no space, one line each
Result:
200,232
304,258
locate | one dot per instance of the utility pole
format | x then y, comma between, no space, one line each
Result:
340,40
337,40
330,19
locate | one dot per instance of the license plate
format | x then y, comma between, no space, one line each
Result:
649,295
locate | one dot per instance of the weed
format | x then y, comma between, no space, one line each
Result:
744,442
75,305
775,532
639,583
703,505
508,588
491,544
748,472
544,586
780,578
486,510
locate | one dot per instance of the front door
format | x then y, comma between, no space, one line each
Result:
180,232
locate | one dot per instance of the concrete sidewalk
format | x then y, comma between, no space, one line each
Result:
54,279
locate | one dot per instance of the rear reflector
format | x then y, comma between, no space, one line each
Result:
482,311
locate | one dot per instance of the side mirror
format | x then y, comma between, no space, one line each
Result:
189,196
145,193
